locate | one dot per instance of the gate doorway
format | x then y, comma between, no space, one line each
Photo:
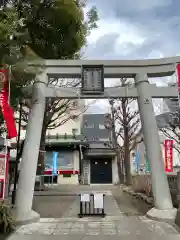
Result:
101,171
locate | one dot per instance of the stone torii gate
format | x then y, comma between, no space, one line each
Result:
93,74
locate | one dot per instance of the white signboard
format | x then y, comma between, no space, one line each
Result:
85,197
98,200
2,167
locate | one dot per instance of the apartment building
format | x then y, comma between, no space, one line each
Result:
99,164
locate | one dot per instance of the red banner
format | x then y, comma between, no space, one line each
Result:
168,147
4,169
178,75
4,102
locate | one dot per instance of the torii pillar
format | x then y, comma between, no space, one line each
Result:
162,198
25,189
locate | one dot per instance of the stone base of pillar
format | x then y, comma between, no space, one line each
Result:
22,219
178,218
162,215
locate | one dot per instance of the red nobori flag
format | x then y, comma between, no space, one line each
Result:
178,75
4,102
168,147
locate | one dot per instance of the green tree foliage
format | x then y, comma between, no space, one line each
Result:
13,50
51,29
57,28
48,29
12,36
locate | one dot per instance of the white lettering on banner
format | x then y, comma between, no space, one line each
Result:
2,167
168,155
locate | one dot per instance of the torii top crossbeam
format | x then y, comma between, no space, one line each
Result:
112,68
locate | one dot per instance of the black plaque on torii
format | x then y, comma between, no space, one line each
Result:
92,78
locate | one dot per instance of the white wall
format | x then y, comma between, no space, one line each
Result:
74,177
65,128
70,124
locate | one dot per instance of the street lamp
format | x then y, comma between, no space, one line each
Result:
17,153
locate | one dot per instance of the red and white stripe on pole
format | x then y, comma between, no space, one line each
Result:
168,152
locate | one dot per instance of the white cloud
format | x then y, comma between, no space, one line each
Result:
135,30
142,5
104,28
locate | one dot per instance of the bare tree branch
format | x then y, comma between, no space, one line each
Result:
125,117
56,108
169,134
171,127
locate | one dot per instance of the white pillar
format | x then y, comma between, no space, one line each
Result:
162,198
25,190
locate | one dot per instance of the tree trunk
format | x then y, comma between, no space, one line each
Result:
127,163
119,167
42,148
128,169
40,167
116,146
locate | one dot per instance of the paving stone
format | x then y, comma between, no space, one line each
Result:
116,225
127,226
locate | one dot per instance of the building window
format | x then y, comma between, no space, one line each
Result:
74,131
89,126
66,162
95,138
75,117
75,104
48,160
104,139
66,175
101,126
174,99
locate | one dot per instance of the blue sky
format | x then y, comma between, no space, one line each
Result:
135,29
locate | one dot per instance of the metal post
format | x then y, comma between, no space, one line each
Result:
30,154
162,198
17,154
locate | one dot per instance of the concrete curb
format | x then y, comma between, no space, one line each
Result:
148,200
43,193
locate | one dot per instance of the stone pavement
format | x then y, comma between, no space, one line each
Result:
116,225
57,200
